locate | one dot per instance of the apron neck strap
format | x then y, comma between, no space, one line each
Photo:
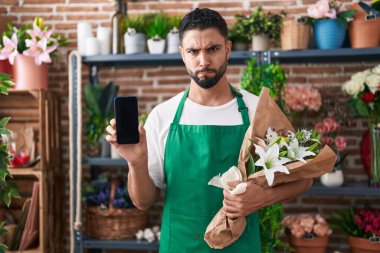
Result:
239,97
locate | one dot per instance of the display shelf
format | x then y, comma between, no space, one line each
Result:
104,161
25,172
359,190
241,57
120,244
25,251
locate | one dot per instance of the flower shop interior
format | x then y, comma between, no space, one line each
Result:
62,63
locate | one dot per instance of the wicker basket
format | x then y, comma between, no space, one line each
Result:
114,224
294,35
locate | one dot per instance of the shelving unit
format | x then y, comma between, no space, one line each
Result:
237,58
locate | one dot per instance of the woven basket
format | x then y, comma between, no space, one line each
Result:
294,35
114,224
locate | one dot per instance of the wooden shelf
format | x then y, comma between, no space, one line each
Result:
25,172
120,244
26,251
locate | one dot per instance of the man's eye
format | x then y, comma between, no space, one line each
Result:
213,49
191,51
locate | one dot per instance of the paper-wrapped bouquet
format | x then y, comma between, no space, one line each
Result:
272,153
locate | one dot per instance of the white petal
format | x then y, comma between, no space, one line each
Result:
269,175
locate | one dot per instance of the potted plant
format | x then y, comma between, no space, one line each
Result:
134,38
239,33
364,99
8,190
173,36
99,108
362,227
29,48
329,21
307,233
329,131
157,28
264,27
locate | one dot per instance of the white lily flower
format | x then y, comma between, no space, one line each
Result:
271,162
295,152
272,137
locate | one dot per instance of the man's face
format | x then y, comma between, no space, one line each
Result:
205,54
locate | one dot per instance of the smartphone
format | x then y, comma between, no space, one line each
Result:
127,120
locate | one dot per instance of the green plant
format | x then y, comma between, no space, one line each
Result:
239,32
376,5
174,21
157,26
99,107
265,23
269,75
8,190
136,22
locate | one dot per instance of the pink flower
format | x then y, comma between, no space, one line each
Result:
321,9
321,229
307,223
10,48
321,128
327,140
297,231
331,124
340,143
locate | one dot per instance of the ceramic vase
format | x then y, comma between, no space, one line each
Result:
156,46
28,75
260,42
329,34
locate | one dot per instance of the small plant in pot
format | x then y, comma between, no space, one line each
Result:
157,28
173,36
134,38
239,33
99,108
264,27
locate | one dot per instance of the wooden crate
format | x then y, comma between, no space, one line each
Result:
39,110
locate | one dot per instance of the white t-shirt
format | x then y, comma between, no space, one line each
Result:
159,120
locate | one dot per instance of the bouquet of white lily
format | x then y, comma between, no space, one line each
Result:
270,145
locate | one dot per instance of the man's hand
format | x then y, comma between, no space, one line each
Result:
256,197
135,154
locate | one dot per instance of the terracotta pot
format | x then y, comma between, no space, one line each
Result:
363,33
5,67
260,42
28,75
314,245
362,245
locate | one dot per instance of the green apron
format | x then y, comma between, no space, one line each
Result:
193,155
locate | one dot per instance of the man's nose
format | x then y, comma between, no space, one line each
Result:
204,60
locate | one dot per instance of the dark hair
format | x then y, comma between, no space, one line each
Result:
201,19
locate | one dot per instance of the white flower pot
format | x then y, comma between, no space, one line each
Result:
134,43
260,42
156,46
239,46
173,42
332,179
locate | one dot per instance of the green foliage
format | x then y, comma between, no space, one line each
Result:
157,26
345,219
99,107
271,227
240,31
174,21
265,23
8,190
272,76
136,22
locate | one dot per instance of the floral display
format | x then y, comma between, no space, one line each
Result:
301,98
364,91
361,222
37,41
97,193
306,225
329,128
328,9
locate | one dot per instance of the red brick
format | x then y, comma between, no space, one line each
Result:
87,1
321,201
10,2
47,16
3,10
76,9
65,26
133,83
175,81
219,5
26,10
166,73
266,4
87,17
129,73
136,6
44,1
165,6
162,90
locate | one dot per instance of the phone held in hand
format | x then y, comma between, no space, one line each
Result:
127,121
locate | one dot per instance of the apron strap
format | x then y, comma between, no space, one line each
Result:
239,97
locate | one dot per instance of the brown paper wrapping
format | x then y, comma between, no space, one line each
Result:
223,231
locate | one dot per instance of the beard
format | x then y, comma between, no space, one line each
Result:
208,82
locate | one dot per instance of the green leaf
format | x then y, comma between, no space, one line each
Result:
4,121
250,165
361,108
4,131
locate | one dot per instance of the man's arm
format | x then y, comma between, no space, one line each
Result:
257,197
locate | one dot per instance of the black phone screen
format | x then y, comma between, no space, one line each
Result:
127,122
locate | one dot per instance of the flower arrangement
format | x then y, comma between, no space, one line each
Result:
328,9
97,193
37,41
329,128
364,91
301,98
306,226
364,222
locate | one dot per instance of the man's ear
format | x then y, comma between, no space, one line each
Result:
182,52
228,49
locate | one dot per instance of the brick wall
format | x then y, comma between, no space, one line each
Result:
156,84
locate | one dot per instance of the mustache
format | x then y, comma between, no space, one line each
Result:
205,70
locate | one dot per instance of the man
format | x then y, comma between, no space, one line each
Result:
194,136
